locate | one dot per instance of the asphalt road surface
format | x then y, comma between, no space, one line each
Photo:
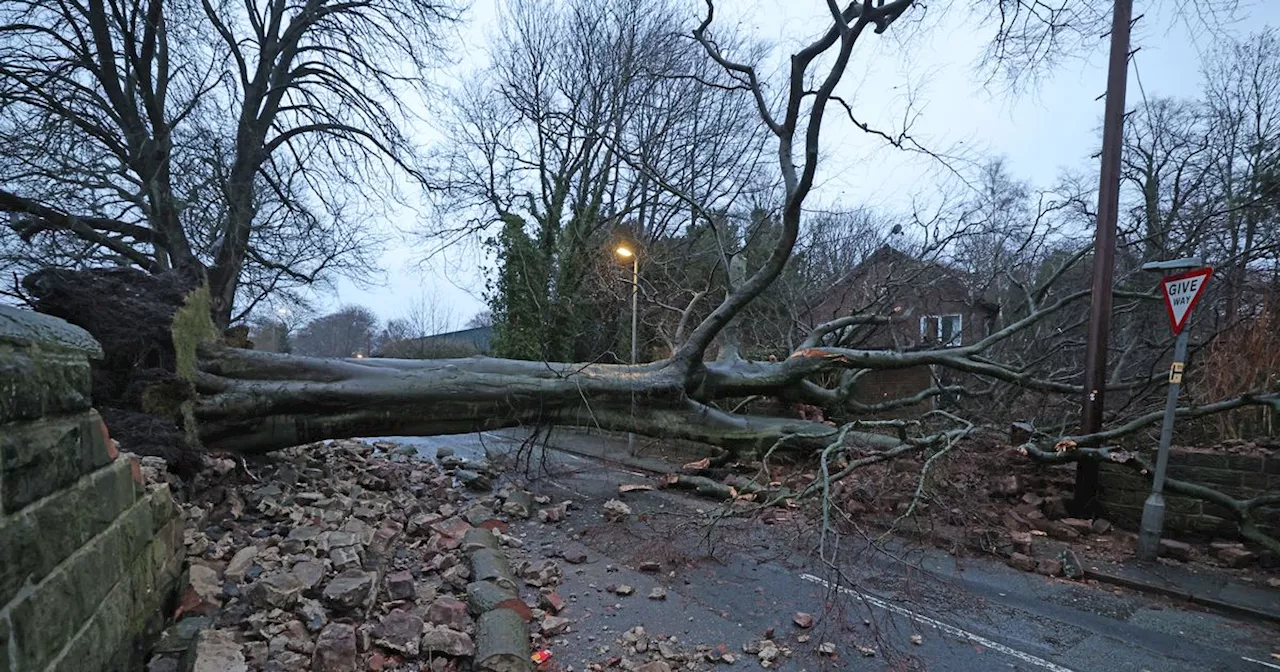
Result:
728,581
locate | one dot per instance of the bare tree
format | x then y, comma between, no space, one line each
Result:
592,124
483,318
349,332
267,108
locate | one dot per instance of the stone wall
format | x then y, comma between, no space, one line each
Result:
88,555
1241,476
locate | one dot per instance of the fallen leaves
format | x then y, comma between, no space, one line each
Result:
699,465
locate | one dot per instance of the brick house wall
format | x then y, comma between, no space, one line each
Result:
919,296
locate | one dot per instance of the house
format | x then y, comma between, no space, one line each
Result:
462,343
928,305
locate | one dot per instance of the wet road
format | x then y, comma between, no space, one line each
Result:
728,581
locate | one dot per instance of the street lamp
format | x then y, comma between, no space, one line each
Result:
625,252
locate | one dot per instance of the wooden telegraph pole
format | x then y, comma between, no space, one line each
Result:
1095,362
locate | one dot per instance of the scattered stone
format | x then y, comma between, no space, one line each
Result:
338,539
1021,542
308,573
280,590
457,576
658,593
1060,530
453,527
400,586
616,511
440,639
448,612
162,664
299,537
650,566
1049,567
917,640
802,619
519,504
539,574
218,651
827,649
473,479
769,652
179,637
1237,556
574,555
553,514
240,563
349,590
335,649
1101,526
1079,525
1023,562
443,452
314,616
202,593
554,625
653,666
623,590
345,557
399,631
1033,499
552,602
1176,550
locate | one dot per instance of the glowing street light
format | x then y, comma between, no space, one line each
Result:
626,252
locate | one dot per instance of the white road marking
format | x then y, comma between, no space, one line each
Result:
1262,663
949,629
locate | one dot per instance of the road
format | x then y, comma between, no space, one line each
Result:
728,581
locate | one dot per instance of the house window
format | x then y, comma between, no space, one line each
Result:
945,330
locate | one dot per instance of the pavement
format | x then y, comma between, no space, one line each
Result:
1204,587
729,581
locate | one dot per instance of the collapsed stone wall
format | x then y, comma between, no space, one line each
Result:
1242,476
89,555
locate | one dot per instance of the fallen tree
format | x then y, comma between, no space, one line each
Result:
171,379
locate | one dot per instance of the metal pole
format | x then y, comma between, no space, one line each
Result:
1153,510
635,304
1095,362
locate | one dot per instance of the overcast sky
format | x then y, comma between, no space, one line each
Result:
1040,132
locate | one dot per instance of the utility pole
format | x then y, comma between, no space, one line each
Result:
1104,249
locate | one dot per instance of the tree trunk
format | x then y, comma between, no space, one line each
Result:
166,363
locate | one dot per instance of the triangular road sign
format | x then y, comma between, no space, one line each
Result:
1181,292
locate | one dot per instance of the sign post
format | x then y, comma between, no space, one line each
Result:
1181,292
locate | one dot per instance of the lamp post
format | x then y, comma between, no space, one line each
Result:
627,253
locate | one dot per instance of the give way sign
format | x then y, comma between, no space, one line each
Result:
1181,292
